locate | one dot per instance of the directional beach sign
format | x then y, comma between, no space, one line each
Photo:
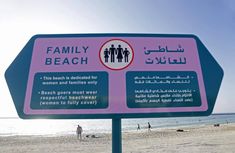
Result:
114,75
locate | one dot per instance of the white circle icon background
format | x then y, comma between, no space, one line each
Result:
116,54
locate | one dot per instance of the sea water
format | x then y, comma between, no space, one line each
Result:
16,126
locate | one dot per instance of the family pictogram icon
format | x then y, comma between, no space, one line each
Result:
113,54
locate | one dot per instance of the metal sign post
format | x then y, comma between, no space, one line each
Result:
116,135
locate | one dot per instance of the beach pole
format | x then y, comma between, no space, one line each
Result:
116,135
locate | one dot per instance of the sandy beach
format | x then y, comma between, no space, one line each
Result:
203,139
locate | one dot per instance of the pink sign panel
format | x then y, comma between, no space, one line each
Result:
115,75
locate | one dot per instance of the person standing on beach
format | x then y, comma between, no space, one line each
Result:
138,127
149,127
79,132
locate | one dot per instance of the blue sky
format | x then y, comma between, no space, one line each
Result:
212,21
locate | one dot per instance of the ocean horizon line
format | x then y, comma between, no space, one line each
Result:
16,117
